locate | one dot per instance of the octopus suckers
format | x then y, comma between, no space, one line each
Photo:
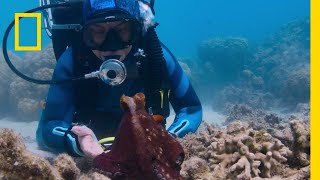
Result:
159,176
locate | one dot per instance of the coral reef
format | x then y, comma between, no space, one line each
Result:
242,112
235,152
293,132
257,118
283,63
279,126
197,74
38,59
196,168
250,80
25,97
17,163
296,87
6,76
67,167
303,108
223,59
271,75
94,176
28,107
301,142
267,145
272,119
238,152
231,95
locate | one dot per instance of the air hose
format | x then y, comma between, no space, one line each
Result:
154,52
155,67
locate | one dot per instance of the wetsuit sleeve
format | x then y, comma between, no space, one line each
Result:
53,131
183,98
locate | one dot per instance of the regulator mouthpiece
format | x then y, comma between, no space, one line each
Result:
112,72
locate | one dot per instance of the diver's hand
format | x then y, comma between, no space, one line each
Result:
88,141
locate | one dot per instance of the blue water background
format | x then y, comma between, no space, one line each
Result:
184,24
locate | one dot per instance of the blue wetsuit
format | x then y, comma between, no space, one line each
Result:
60,109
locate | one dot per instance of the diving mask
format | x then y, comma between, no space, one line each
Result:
110,36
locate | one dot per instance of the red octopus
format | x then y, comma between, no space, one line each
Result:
142,149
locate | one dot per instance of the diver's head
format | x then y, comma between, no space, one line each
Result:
108,39
112,27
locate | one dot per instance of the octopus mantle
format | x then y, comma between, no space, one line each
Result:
142,148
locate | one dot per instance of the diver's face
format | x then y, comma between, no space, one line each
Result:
100,31
121,52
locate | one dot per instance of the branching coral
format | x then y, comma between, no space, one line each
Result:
301,132
296,135
238,152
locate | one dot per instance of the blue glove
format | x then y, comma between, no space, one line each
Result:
187,120
71,142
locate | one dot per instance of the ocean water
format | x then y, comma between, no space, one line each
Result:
192,21
184,24
246,59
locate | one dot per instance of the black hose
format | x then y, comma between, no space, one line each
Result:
155,68
5,48
156,65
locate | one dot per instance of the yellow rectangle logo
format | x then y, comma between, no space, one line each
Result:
17,46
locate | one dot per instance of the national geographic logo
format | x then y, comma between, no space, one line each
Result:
17,46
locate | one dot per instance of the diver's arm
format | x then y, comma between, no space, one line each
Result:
53,131
183,98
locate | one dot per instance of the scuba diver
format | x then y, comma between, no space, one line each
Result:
118,35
